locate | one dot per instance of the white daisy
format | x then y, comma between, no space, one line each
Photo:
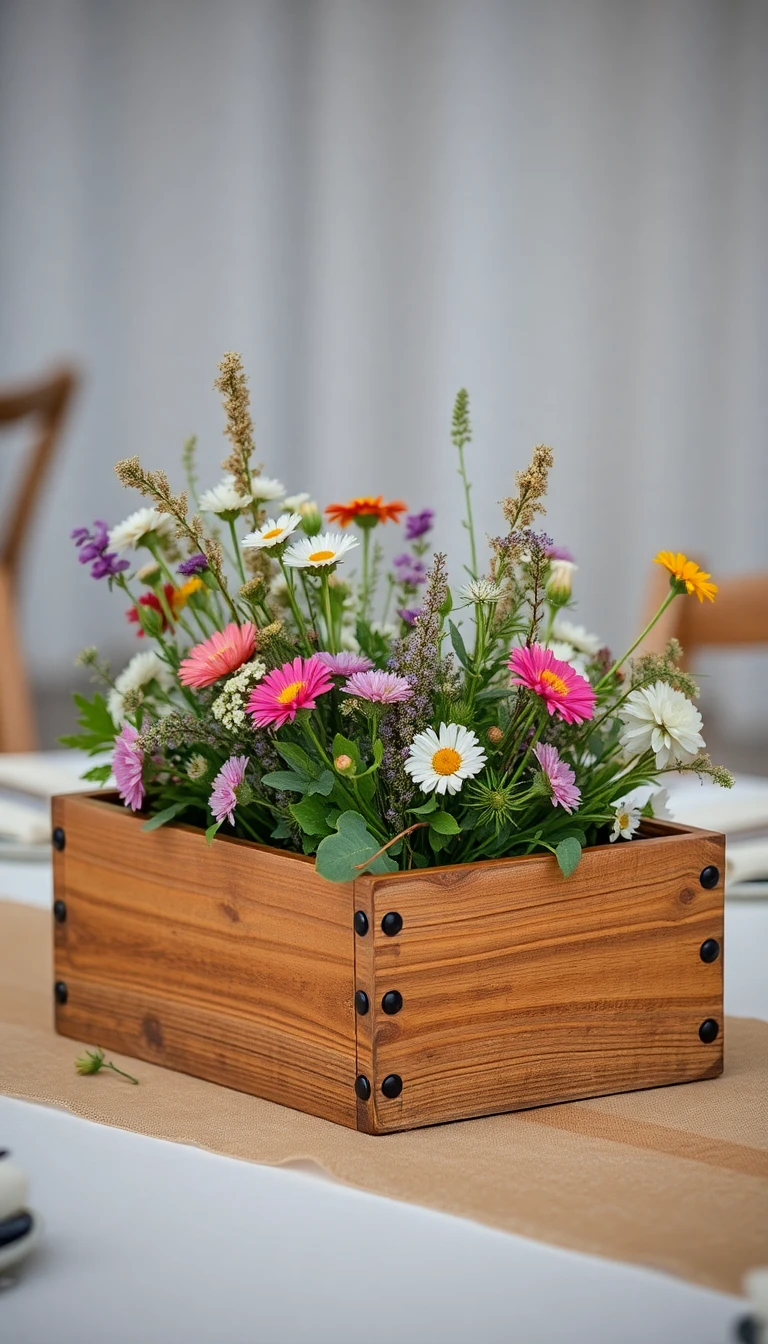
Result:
626,820
481,590
143,668
441,761
224,498
272,532
318,552
267,488
576,635
138,527
567,654
294,502
660,719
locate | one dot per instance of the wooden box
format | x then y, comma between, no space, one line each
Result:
396,1001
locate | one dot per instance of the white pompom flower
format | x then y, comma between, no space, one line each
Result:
138,527
660,719
267,488
441,761
224,499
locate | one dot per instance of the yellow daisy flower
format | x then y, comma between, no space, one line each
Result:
687,573
181,596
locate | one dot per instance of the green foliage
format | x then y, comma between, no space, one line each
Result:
99,774
96,722
312,815
350,851
167,814
461,429
373,644
568,855
459,646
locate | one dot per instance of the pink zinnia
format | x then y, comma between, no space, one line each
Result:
224,652
127,763
292,687
556,682
384,688
344,664
559,776
223,799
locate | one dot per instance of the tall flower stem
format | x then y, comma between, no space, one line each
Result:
469,523
236,549
329,628
671,595
365,595
123,1074
295,608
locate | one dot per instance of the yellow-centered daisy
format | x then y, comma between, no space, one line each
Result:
441,761
687,572
271,533
318,552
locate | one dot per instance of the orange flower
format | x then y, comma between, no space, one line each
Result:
373,510
180,596
687,574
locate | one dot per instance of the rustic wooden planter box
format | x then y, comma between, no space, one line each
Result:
395,1001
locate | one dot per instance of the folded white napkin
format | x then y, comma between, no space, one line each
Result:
24,823
746,861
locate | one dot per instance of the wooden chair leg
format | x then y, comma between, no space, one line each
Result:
17,719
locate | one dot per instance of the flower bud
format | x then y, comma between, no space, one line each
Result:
495,736
311,519
559,582
150,620
149,574
344,764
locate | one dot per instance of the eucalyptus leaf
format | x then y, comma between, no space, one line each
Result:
312,816
568,855
287,780
349,852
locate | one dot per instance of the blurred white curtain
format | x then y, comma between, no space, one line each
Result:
561,204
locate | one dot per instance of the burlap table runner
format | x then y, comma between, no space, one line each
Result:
674,1178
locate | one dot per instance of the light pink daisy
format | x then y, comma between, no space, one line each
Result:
292,687
559,776
563,689
344,664
218,656
384,688
127,763
223,799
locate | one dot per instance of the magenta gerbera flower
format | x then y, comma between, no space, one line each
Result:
559,776
344,664
563,689
224,799
127,765
291,687
384,688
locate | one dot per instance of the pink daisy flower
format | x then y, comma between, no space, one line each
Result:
563,689
344,664
223,799
559,776
292,687
222,653
127,763
384,688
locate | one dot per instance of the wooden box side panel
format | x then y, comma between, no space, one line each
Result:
522,988
228,961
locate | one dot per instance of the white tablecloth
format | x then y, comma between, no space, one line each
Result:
155,1243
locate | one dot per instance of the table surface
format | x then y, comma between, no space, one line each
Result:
158,1242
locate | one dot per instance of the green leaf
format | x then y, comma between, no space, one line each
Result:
297,758
419,860
286,780
344,746
344,856
99,774
425,808
459,647
447,606
568,854
312,816
571,833
210,833
444,824
437,841
282,830
167,814
324,785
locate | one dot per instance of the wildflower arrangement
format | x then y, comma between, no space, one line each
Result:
287,690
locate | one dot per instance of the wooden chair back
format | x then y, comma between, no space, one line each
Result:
737,618
44,404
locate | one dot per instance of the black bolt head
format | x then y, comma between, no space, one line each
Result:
361,923
392,1002
58,838
361,1002
392,924
59,911
392,1086
709,950
61,993
709,1031
362,1087
747,1330
709,876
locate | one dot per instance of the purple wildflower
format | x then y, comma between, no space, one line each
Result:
559,777
383,688
559,553
409,614
226,785
127,765
344,664
194,565
93,551
418,524
409,571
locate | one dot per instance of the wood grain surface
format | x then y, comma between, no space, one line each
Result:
520,988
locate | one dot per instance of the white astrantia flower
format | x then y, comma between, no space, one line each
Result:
266,488
272,532
143,668
575,635
660,719
318,552
224,498
229,705
137,527
626,821
294,502
481,590
441,761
